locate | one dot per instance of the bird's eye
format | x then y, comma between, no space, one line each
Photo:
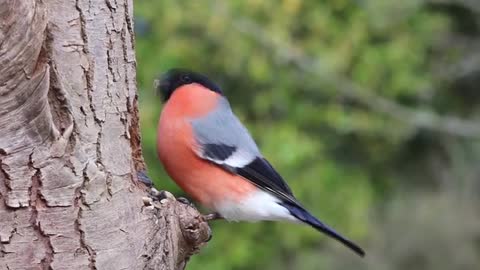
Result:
186,79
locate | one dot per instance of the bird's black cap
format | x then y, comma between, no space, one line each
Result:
174,78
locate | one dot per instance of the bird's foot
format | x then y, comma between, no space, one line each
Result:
143,177
163,195
156,198
184,201
212,216
159,195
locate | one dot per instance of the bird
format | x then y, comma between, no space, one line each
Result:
211,155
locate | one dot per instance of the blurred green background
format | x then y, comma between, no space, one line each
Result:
369,109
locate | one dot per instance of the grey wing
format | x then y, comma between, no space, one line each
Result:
223,140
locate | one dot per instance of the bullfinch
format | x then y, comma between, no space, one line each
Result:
210,154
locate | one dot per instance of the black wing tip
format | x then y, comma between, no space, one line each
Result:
304,216
358,250
330,232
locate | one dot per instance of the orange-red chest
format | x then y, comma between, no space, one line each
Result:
204,181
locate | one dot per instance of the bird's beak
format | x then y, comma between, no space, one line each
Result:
156,84
160,85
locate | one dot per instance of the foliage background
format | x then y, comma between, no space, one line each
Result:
369,109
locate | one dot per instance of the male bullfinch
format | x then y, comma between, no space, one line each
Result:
212,156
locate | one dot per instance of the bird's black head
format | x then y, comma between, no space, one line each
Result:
174,78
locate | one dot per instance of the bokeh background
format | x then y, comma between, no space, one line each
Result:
369,108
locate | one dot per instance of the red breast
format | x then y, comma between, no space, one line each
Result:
204,181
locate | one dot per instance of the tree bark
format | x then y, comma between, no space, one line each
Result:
70,145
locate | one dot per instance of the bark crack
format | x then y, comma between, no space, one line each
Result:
91,252
38,202
109,182
6,176
2,250
79,203
98,147
129,21
87,71
133,121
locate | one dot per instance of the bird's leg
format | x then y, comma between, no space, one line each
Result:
212,216
207,217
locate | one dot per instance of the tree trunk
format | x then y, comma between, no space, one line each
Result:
70,145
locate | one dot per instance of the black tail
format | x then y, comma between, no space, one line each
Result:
306,217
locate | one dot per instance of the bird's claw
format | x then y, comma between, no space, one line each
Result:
184,201
210,235
142,177
212,216
163,195
160,195
148,203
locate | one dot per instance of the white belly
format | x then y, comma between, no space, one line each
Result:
258,206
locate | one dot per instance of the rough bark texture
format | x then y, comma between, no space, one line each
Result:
70,147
